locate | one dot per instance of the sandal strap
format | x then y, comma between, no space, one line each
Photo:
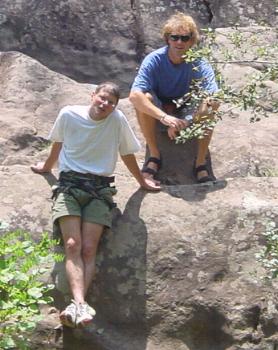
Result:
154,160
202,167
205,179
149,170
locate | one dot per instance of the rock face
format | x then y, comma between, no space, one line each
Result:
92,41
178,269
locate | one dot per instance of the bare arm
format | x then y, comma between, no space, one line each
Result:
131,164
144,105
46,167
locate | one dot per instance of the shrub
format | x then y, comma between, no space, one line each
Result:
268,256
22,264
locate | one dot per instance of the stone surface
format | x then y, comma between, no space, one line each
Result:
178,269
92,41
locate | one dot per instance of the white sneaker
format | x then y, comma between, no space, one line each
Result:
68,316
85,315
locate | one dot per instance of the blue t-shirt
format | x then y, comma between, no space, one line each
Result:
170,81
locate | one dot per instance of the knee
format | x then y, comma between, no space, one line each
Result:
211,106
207,110
73,246
89,251
149,96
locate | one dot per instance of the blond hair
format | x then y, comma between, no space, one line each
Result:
181,21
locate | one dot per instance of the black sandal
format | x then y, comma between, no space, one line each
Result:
149,170
203,179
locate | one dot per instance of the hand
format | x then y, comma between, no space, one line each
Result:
172,133
214,103
174,122
40,168
151,185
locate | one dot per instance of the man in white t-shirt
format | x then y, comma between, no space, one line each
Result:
86,143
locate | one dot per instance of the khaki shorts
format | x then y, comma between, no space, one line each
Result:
81,204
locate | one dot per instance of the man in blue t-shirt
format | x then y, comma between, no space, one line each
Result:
164,76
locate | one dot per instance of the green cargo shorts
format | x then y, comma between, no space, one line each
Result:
80,203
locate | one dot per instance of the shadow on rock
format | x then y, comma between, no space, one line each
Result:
119,291
177,160
176,173
196,192
50,178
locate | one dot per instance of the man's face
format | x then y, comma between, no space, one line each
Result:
179,41
103,103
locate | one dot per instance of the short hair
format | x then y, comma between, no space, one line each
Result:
181,21
110,87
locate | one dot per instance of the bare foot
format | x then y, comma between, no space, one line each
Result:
151,167
202,174
151,184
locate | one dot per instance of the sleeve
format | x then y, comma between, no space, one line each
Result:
205,74
129,143
145,79
57,131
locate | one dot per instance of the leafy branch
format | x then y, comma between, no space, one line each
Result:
255,96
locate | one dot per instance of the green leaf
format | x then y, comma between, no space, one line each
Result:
6,276
21,277
3,264
7,343
35,292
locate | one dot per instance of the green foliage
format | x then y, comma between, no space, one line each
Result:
22,264
255,96
236,38
196,130
268,256
267,172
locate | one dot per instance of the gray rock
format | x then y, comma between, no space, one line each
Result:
92,41
178,268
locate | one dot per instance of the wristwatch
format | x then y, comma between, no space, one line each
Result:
189,118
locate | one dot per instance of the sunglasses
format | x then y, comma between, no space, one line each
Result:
183,38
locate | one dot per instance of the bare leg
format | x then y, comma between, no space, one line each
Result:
71,231
91,234
203,144
148,128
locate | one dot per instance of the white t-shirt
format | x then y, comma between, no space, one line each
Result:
91,146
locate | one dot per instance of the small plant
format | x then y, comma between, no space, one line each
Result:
22,263
268,256
254,96
268,172
237,38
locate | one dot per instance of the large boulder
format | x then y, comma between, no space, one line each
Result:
178,268
92,41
